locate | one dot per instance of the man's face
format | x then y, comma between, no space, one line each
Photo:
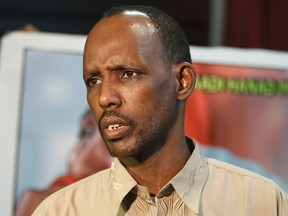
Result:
129,89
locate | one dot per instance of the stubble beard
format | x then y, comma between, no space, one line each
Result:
152,135
143,142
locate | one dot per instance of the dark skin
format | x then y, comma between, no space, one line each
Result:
137,100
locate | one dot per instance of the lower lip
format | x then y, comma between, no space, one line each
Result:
117,133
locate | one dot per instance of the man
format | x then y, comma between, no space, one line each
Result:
138,72
89,156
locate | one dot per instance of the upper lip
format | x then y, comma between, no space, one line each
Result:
111,120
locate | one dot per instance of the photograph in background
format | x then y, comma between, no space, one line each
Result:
42,98
243,109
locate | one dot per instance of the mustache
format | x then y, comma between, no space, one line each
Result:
109,113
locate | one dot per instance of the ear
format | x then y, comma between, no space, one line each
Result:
186,78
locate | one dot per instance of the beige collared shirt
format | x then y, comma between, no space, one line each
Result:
203,187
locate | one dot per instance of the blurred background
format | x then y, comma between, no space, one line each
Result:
237,23
207,23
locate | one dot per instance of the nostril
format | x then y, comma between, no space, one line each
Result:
111,99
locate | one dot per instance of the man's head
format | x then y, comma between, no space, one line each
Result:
175,46
136,86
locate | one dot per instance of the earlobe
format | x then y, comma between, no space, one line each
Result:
186,77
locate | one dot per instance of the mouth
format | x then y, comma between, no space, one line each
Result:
114,128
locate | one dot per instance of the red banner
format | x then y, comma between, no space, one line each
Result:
243,109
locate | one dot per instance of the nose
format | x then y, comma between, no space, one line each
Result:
109,96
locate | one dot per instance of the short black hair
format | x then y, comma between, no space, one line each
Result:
175,45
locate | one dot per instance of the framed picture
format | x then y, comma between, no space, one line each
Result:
42,99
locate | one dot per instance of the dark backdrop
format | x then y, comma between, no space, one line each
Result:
257,24
247,24
78,16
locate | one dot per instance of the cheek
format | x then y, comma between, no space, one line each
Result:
161,104
147,101
147,108
141,94
155,95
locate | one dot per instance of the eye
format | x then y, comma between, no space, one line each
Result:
93,81
85,134
128,73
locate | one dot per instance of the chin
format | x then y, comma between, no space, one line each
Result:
120,154
125,148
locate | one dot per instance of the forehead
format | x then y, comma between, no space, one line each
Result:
128,23
122,33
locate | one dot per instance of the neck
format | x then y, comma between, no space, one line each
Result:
158,169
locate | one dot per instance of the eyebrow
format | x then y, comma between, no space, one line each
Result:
119,67
114,67
91,74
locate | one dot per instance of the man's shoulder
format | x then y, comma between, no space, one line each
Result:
90,189
239,191
91,182
230,169
236,175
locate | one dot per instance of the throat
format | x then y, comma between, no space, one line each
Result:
156,172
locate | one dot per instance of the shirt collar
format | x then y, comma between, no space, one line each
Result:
121,182
188,183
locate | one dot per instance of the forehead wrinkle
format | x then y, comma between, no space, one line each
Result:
119,63
113,64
